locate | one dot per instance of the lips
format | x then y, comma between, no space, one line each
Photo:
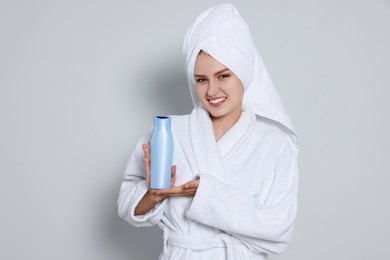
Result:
217,101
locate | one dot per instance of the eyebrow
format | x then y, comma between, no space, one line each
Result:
216,73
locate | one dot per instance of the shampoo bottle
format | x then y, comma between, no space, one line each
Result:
161,153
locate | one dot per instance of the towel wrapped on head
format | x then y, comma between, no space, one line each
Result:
222,33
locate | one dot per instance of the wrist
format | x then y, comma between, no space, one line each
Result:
153,198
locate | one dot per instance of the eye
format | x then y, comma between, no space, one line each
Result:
200,80
222,76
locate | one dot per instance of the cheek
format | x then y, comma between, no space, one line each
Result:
236,89
239,88
241,91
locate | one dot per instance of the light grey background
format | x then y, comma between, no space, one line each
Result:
81,80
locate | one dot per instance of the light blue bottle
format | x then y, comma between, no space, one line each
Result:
161,153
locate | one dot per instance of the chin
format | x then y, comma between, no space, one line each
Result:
216,114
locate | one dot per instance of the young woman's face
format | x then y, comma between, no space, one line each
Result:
218,89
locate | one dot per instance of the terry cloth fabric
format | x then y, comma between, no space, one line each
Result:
246,202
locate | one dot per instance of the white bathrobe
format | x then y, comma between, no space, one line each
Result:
246,202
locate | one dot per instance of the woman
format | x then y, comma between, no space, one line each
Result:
234,185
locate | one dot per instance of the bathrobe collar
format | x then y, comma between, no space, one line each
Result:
209,154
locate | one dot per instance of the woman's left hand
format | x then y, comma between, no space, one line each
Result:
186,189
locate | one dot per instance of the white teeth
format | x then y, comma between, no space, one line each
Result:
215,101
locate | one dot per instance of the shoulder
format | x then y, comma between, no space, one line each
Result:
271,128
276,135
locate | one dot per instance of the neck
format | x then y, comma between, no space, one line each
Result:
222,124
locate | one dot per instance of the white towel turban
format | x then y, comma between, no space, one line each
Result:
222,33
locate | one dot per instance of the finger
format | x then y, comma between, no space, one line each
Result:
191,184
173,175
147,163
169,191
146,150
189,192
175,191
173,171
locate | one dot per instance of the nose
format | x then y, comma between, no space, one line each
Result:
212,89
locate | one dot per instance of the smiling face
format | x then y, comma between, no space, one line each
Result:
218,89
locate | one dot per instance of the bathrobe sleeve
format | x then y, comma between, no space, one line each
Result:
264,223
134,187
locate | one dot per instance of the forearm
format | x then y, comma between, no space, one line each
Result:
145,205
227,206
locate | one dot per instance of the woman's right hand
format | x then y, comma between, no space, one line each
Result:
156,198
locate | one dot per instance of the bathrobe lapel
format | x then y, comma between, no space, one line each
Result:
234,142
212,156
204,146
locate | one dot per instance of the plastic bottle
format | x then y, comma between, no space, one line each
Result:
161,153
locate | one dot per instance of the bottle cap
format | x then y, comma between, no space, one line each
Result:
162,121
